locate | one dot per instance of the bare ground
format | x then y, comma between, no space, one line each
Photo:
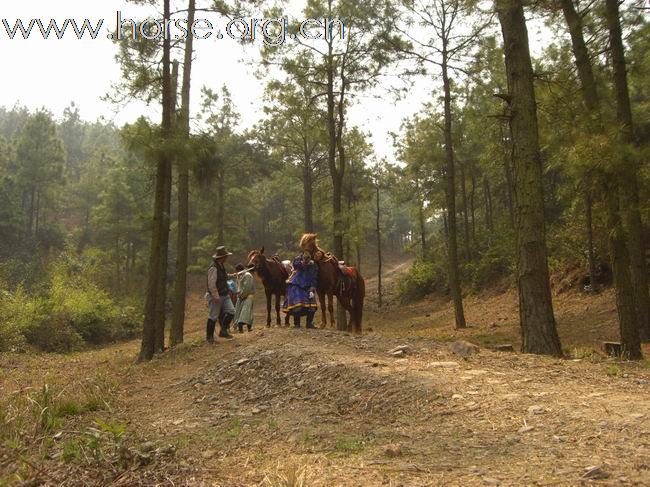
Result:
323,408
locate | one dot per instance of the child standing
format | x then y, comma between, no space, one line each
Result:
245,294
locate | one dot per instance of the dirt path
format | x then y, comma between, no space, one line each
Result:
321,408
342,411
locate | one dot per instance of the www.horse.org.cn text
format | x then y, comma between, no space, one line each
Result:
272,32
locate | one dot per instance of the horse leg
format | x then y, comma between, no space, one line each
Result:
330,307
268,309
286,317
357,303
323,305
277,310
354,316
345,302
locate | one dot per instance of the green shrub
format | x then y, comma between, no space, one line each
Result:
18,312
54,334
422,279
22,270
127,323
493,263
68,311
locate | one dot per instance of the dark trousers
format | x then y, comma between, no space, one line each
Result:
300,312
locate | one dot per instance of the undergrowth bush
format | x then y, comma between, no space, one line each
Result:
492,264
18,312
422,279
492,261
68,312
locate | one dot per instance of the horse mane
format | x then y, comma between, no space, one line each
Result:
309,242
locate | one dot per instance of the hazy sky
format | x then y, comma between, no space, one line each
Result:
52,73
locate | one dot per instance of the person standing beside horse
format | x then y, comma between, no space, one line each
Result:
301,290
220,307
335,279
245,293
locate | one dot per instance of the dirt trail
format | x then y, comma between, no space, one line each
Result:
322,408
343,411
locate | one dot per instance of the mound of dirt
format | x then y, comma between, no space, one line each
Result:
265,377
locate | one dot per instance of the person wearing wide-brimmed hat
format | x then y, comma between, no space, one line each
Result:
220,307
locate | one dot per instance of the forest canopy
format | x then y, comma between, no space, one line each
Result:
100,224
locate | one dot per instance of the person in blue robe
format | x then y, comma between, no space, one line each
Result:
301,290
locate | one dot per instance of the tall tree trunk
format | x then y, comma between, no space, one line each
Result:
630,191
339,230
592,103
379,261
466,229
221,203
625,306
583,63
152,307
337,173
348,223
421,219
590,238
147,346
308,190
487,194
182,247
357,240
161,301
450,172
538,329
472,206
611,189
445,226
510,193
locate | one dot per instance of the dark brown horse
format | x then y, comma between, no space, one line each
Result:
349,287
274,278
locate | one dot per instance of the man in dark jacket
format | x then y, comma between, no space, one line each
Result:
220,307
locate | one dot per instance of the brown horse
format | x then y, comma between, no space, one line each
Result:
349,288
274,278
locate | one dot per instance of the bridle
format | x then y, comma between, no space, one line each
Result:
256,263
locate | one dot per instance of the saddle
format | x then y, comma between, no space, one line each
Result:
346,282
283,268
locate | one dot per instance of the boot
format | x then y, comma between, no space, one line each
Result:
310,320
241,327
209,331
250,327
227,319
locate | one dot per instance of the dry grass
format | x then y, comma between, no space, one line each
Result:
285,408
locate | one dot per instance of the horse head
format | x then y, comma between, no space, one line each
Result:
309,242
256,260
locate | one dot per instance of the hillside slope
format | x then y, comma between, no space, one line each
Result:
291,407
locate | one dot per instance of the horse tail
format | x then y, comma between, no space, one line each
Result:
357,302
